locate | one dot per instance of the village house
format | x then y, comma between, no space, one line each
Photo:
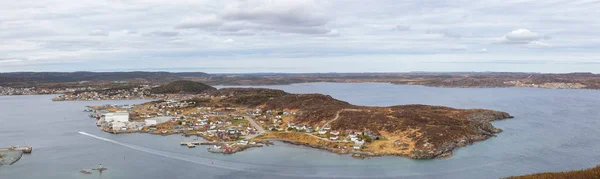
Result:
309,129
243,142
335,132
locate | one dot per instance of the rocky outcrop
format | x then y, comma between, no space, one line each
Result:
479,123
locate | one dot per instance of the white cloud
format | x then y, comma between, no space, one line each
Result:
537,44
10,60
523,36
129,32
460,48
483,50
210,21
98,32
445,33
228,41
333,32
162,33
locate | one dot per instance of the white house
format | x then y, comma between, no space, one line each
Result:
116,117
243,142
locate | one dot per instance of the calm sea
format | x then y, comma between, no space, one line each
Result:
553,130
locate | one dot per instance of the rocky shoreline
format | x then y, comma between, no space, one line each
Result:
481,123
484,128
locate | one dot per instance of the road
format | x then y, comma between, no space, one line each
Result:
337,115
258,127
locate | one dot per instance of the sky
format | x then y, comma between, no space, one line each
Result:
298,36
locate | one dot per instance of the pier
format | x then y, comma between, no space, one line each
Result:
24,149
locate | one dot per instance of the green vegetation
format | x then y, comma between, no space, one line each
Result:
576,174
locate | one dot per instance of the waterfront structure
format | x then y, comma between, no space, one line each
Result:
117,126
157,120
115,117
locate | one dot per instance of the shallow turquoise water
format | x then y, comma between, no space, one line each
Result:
554,130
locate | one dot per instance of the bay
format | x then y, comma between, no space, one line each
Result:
553,130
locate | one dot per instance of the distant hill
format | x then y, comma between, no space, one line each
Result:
182,86
93,76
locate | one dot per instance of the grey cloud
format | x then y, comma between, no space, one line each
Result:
58,32
401,28
302,17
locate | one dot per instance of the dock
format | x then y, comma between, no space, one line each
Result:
190,144
193,144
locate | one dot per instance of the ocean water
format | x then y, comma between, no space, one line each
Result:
553,130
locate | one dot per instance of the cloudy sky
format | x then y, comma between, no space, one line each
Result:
227,36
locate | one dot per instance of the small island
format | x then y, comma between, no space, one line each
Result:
234,119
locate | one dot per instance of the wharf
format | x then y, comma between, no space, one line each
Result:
193,144
24,149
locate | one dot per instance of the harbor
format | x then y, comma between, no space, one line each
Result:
227,147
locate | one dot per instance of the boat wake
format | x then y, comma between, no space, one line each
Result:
207,162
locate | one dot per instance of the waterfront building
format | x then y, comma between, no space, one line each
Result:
116,117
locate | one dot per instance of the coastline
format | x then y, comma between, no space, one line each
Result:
228,118
308,82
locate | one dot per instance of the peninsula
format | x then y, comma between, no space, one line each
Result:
234,119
